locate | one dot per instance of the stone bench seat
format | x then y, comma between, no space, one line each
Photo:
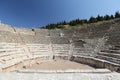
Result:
15,61
10,57
61,54
63,48
64,71
85,52
35,56
112,51
12,44
111,59
45,46
61,51
79,48
42,57
36,44
39,50
11,62
9,49
11,53
82,54
109,54
97,62
33,49
39,53
60,48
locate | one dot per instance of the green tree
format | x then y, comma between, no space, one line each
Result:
99,18
117,14
64,23
112,17
92,20
73,22
83,21
107,17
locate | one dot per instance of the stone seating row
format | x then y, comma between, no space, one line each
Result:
47,48
114,55
107,58
63,71
53,33
28,38
83,51
60,46
7,49
96,62
61,33
61,49
41,40
9,64
40,49
41,32
11,54
111,55
59,40
112,51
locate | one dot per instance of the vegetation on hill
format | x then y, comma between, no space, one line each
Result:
81,22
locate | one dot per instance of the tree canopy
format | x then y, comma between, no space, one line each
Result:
60,25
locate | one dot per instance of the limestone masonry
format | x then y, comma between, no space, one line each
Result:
97,46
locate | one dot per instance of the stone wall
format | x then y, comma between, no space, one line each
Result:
98,63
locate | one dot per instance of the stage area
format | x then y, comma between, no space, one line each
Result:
57,65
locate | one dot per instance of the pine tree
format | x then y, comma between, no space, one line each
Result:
92,20
99,18
117,14
106,17
112,17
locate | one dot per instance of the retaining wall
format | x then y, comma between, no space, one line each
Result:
98,63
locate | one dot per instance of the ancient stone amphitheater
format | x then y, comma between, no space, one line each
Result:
97,47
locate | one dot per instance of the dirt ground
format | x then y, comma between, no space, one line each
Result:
58,65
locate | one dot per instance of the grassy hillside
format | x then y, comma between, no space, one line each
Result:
82,23
85,25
